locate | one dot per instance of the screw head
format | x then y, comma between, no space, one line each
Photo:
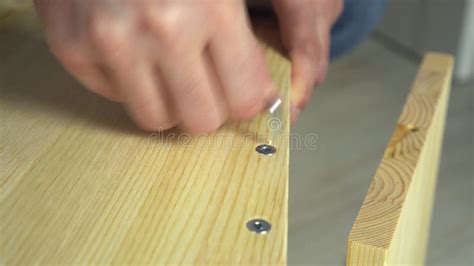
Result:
259,226
266,149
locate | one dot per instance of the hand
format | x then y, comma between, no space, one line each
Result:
306,27
171,62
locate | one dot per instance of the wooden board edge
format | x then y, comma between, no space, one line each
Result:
377,235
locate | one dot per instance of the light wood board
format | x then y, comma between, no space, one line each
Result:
393,224
80,184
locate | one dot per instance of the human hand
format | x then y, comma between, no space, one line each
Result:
305,28
190,63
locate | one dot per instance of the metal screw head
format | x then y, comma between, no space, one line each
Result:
259,226
266,149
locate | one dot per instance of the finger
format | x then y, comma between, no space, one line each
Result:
306,36
67,44
179,40
147,101
241,68
135,77
193,91
309,68
145,98
92,76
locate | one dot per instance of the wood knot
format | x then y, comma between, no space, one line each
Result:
401,131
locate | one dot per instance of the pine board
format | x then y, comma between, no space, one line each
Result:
80,184
393,223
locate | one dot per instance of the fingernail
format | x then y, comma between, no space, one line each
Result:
295,113
297,91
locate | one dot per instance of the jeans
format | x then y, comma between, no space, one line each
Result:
357,20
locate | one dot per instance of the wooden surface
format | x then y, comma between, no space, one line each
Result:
393,224
80,184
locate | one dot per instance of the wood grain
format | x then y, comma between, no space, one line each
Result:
79,184
393,224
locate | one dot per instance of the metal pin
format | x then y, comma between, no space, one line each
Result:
259,226
274,124
274,106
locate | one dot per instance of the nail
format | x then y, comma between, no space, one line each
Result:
295,113
297,92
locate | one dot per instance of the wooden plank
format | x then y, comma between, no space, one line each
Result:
393,223
79,184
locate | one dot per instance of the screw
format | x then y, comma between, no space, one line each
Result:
259,226
266,149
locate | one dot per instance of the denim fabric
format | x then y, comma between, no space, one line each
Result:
358,19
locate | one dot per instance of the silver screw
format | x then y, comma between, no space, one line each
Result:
266,149
259,226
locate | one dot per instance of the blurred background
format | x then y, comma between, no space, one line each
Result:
354,113
417,26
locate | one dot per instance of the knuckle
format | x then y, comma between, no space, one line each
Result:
166,29
106,35
98,32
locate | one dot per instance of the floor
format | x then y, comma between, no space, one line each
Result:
354,113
